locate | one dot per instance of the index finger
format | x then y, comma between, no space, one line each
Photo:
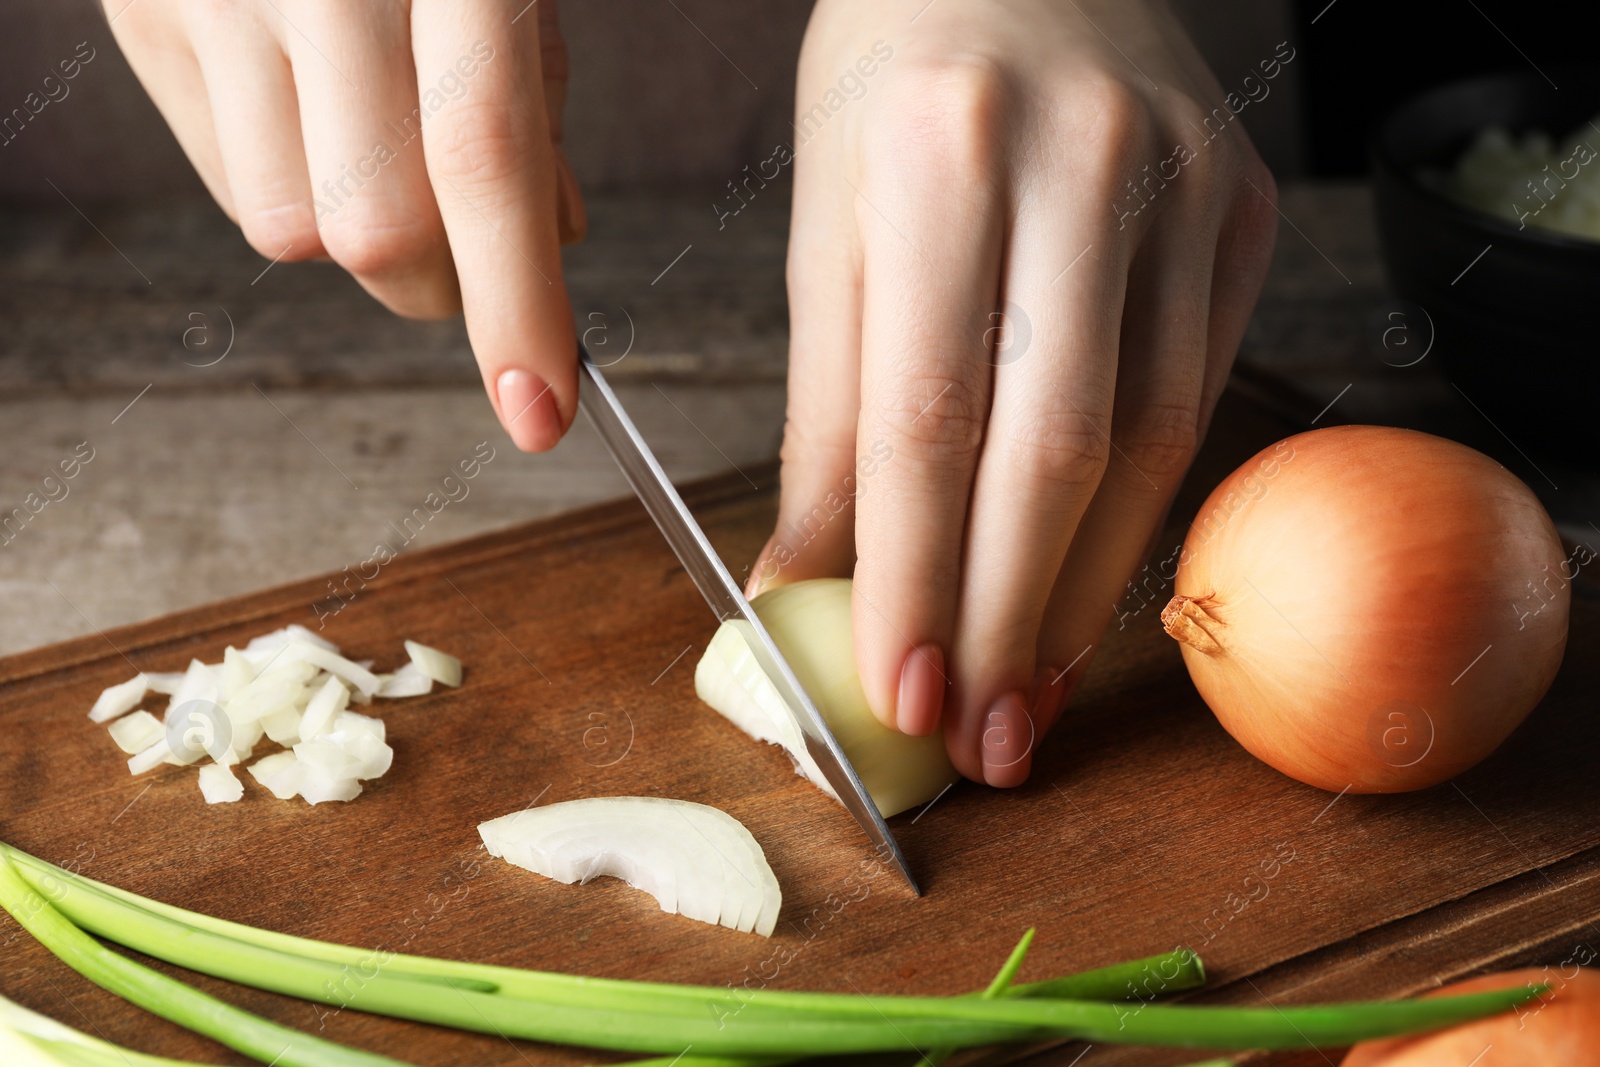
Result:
493,168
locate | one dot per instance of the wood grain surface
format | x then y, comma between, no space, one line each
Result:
1135,834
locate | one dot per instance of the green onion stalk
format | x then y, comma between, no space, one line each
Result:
241,1031
661,1018
28,1039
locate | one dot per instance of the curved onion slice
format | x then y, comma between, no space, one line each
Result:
695,860
810,621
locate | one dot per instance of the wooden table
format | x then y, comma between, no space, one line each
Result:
1135,833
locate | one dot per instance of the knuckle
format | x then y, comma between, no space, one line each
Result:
370,246
935,418
481,143
1162,439
1257,213
1108,122
271,230
1063,449
949,115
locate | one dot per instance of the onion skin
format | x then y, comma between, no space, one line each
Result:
1560,1029
1337,594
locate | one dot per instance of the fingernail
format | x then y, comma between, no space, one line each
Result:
528,410
1007,741
1049,691
922,686
762,571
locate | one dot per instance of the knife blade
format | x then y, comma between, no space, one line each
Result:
660,498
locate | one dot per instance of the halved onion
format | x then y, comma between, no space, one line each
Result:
810,621
695,860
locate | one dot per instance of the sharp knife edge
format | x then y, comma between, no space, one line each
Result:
660,498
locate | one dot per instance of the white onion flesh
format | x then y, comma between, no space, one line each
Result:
408,681
119,699
219,784
277,639
352,672
810,622
290,686
440,666
695,860
163,682
330,700
137,732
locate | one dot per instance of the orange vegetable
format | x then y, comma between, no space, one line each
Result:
1561,1029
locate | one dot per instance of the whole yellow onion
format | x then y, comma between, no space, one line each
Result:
1371,609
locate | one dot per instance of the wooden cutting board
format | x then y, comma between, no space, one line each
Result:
1138,831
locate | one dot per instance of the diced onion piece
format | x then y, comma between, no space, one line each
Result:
163,682
327,758
219,784
350,723
137,732
283,725
119,699
277,686
279,773
277,639
695,860
362,738
238,671
333,663
328,702
200,682
245,738
408,681
440,666
149,758
317,787
810,621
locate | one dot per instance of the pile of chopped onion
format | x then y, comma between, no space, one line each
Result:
696,860
291,687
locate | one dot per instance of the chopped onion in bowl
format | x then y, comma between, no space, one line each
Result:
290,686
696,860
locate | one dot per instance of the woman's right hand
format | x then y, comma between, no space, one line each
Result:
416,145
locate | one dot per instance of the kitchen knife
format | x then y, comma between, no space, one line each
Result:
727,601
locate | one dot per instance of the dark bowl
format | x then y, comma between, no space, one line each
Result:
1517,327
